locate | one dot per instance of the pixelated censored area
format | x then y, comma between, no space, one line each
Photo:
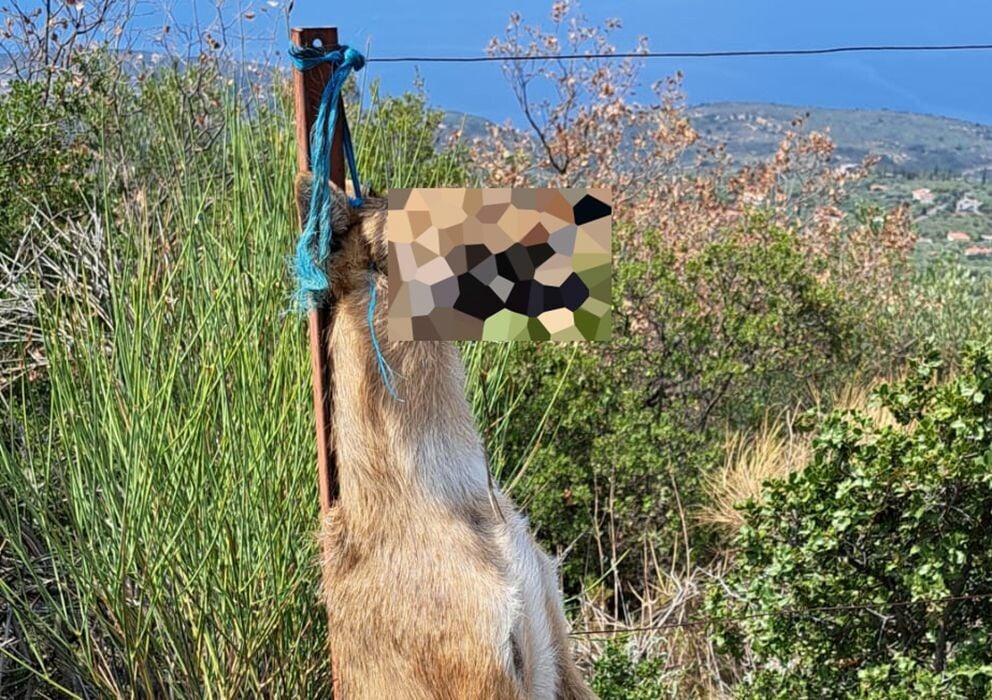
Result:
499,264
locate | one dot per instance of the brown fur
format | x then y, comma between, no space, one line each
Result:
419,560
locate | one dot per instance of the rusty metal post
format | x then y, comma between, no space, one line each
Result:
308,87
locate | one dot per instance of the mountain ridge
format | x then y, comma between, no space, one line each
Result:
907,143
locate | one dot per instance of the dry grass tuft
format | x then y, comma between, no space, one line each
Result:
751,459
773,452
857,396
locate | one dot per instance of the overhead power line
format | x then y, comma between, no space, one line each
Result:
907,48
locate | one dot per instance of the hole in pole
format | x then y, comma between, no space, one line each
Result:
316,43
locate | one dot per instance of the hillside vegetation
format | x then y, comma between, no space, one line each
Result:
906,144
912,152
774,481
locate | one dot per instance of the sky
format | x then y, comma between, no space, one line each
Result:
955,84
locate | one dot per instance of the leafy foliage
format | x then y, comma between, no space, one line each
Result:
948,304
137,554
866,574
620,677
44,159
731,331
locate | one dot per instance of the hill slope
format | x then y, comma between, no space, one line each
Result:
906,143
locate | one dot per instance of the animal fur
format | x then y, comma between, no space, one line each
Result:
434,585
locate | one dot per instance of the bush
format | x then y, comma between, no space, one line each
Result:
618,675
737,328
738,291
947,303
732,331
866,574
44,161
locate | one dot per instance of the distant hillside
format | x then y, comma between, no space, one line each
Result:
472,126
935,165
906,143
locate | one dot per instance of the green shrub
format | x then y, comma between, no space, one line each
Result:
867,573
739,328
947,303
618,675
45,163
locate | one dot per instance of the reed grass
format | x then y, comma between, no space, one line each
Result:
158,511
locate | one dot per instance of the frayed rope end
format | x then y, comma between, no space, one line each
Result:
385,371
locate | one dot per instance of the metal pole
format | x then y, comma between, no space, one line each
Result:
308,87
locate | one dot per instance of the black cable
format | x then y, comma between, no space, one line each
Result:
688,54
800,612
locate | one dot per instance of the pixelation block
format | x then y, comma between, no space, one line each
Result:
499,264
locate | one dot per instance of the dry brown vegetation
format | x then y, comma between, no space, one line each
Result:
591,123
773,451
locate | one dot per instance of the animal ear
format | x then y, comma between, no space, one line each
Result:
367,191
342,213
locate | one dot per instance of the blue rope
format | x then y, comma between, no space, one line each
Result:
314,246
384,369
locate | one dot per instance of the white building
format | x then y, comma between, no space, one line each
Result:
968,205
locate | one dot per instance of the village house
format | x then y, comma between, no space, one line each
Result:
923,195
958,237
977,251
968,205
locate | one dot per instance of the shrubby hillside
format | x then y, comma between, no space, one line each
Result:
906,144
771,482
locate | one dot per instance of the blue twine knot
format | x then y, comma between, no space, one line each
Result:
353,58
314,246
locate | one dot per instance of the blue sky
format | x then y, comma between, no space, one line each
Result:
956,85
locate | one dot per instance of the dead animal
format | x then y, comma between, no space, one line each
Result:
434,585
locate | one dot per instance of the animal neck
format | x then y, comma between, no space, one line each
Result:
419,446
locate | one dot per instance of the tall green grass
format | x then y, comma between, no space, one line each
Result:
157,518
161,518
